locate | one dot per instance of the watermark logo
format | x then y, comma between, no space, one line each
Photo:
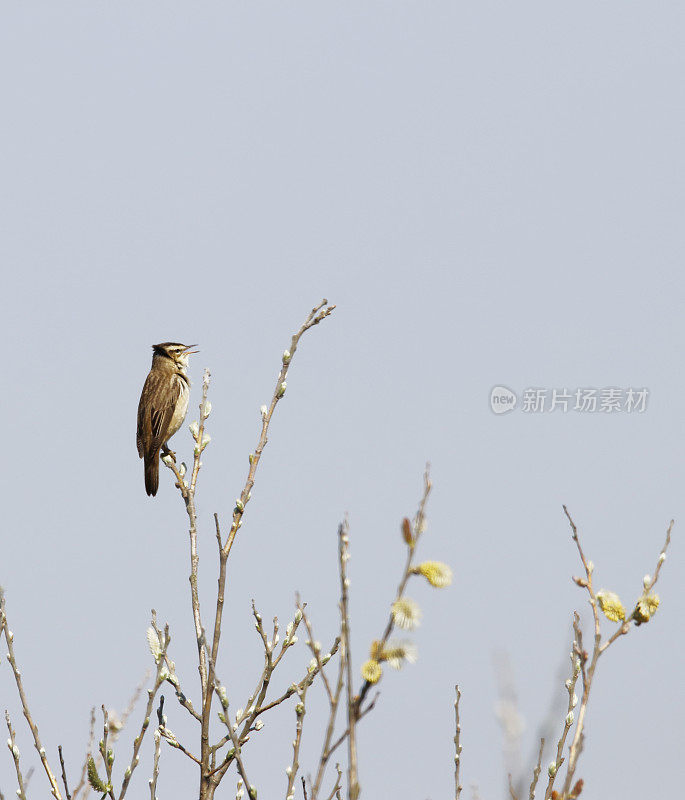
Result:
502,400
586,400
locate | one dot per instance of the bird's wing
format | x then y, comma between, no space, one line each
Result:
155,411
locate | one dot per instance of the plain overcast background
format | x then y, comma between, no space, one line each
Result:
491,193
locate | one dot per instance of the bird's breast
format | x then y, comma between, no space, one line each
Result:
181,408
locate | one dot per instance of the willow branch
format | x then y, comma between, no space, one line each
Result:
160,677
21,791
417,529
9,638
457,744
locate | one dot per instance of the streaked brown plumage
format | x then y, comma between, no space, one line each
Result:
163,405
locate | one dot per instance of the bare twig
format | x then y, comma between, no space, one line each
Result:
170,738
536,772
572,702
9,638
315,316
337,788
291,771
172,678
164,640
512,792
457,745
353,787
237,755
581,658
334,701
155,765
64,773
417,529
360,716
355,712
107,754
315,647
21,794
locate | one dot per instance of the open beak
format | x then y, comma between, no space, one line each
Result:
188,351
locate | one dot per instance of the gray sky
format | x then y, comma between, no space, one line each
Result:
491,194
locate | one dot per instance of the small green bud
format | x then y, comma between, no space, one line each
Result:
281,390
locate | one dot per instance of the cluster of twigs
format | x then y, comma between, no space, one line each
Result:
583,667
218,751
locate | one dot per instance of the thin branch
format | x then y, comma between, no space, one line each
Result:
512,792
587,671
107,754
334,702
155,765
292,770
417,529
572,702
9,638
457,745
360,717
353,787
164,641
315,316
21,793
170,738
237,755
315,647
64,773
172,678
337,788
536,772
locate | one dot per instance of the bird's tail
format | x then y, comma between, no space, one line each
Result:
152,473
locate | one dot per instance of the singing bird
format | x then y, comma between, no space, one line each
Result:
163,405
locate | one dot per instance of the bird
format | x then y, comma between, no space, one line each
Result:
163,406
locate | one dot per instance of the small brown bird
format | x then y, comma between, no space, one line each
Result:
163,405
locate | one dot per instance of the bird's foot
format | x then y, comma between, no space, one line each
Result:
170,453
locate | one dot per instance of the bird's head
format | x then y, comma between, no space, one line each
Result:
175,351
